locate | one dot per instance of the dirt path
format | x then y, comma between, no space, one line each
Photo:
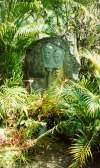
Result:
53,154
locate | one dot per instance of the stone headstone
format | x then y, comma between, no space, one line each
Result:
45,56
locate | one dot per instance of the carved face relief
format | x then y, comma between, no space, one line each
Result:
52,56
58,56
47,52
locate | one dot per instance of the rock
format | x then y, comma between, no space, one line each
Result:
47,55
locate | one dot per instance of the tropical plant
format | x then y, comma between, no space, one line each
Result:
44,105
81,104
77,17
84,123
90,69
18,128
17,30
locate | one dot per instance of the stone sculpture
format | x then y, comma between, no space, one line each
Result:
52,57
58,58
47,54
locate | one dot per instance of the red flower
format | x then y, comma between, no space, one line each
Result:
17,138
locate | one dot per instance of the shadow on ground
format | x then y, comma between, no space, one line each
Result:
50,153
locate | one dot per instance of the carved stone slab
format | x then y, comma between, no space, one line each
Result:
45,56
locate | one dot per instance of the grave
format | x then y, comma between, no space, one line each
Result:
47,55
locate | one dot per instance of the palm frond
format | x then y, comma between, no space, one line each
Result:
84,97
89,86
19,9
92,56
12,99
7,27
92,103
81,150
